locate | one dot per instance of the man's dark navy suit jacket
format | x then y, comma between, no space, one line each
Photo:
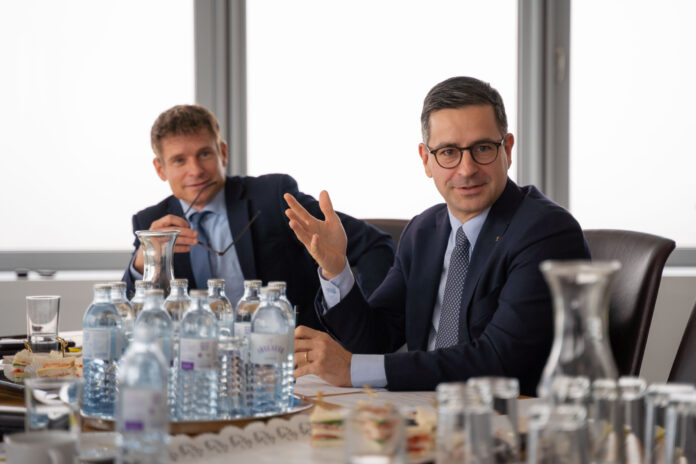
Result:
506,324
269,250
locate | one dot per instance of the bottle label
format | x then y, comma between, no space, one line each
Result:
242,329
144,410
101,344
269,348
198,354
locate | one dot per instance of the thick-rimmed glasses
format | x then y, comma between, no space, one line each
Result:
449,157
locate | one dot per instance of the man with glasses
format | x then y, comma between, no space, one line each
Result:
234,228
465,296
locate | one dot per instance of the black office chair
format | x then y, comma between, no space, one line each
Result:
684,366
393,227
634,290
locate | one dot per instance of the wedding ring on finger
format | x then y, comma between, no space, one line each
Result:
306,357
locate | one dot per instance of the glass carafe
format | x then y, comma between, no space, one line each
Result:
158,251
580,292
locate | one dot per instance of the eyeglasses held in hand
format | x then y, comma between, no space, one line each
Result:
234,239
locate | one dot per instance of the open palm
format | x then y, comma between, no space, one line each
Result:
325,240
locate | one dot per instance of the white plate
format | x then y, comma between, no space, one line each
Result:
97,446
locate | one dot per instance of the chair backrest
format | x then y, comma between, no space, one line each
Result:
393,227
684,366
634,290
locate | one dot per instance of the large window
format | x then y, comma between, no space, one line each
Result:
335,90
631,112
80,86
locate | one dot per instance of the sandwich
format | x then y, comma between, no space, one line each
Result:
420,433
327,427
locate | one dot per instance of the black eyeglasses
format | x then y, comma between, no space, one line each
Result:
482,153
234,239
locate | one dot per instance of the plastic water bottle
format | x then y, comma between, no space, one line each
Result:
233,359
269,346
142,418
101,349
289,365
125,309
176,304
138,300
197,370
178,301
246,307
160,326
220,306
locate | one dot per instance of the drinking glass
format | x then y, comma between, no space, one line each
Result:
505,427
42,322
681,429
558,434
52,404
657,400
632,412
375,434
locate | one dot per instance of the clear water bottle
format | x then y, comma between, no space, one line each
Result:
101,349
125,309
138,300
176,304
289,365
220,306
269,346
197,370
246,307
233,360
178,301
160,326
142,418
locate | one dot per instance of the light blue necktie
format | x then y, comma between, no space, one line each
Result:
200,259
448,327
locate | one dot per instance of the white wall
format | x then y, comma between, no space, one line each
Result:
674,303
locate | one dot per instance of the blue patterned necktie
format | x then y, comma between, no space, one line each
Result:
200,260
448,327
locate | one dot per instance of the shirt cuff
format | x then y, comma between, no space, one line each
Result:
134,274
368,369
336,289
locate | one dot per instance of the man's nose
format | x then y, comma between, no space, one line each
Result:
467,166
195,167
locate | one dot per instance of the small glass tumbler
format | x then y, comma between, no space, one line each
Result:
632,413
450,441
42,322
558,434
375,434
657,399
681,429
605,428
506,438
52,404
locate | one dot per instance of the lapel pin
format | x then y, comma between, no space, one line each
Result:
497,239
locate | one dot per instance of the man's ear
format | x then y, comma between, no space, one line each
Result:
423,152
157,163
223,153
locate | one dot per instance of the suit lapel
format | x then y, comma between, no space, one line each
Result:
491,235
431,243
238,217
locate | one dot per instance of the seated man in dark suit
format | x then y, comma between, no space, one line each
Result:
191,155
465,293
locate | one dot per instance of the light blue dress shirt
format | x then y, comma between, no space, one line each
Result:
223,267
368,369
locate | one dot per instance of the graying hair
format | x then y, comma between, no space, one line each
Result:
457,92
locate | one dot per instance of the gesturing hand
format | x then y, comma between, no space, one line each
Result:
319,354
325,240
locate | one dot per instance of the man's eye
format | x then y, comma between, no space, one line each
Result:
483,148
205,154
177,161
448,152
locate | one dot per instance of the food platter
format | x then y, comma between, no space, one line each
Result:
207,426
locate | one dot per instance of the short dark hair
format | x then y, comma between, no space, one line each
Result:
457,92
183,119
